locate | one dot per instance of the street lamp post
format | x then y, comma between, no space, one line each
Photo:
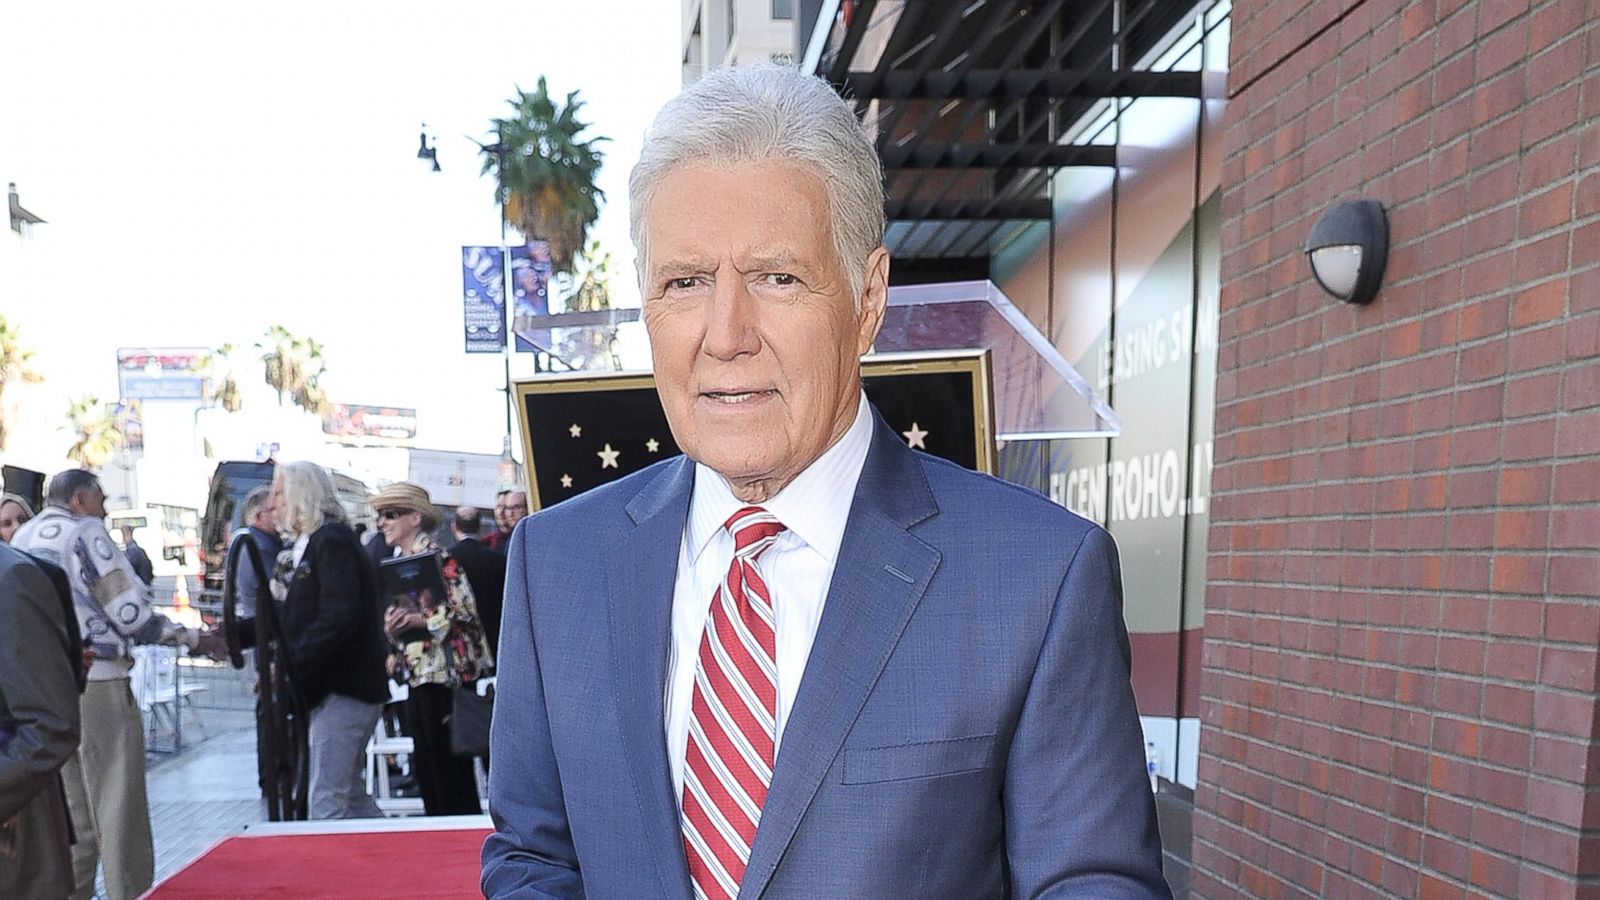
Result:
429,155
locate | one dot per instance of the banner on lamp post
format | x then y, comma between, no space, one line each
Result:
483,299
530,293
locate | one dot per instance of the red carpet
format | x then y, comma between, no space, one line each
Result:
381,864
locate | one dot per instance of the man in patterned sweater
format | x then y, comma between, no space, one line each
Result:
105,778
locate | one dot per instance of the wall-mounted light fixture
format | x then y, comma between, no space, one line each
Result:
1348,247
424,152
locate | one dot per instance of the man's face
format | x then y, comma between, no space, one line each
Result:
89,501
756,339
263,519
516,509
500,512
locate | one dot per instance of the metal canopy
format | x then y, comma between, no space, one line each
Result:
971,102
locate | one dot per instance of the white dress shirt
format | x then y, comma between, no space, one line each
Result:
798,568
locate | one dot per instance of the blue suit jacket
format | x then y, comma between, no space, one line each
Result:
965,726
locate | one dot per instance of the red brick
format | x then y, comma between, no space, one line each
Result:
1521,529
1510,705
1542,258
1563,712
1569,668
1525,485
1492,872
1530,395
1577,528
1578,481
1575,575
1512,660
1528,440
1580,388
1574,622
1579,434
1583,334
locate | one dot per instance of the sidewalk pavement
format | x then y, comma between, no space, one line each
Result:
206,792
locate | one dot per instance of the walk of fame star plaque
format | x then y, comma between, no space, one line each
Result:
583,429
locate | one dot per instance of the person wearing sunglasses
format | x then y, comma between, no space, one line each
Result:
440,645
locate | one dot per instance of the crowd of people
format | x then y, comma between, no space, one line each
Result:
72,787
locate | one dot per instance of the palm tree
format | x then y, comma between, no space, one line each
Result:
15,366
545,171
294,366
225,391
97,433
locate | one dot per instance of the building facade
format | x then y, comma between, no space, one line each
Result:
1402,625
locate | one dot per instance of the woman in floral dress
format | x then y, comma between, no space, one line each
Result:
437,646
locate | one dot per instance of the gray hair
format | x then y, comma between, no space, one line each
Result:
309,498
65,485
768,112
253,501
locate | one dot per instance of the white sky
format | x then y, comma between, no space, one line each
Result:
209,169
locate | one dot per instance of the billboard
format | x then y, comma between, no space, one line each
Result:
176,373
355,424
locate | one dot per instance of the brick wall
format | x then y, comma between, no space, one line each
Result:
1399,689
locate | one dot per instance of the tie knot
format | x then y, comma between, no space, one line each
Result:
753,529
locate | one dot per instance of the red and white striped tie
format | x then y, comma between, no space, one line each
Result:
732,716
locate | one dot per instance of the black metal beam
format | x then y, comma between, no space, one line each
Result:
997,85
975,211
981,156
852,40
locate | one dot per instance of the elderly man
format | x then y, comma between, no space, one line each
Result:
257,516
803,661
105,778
38,729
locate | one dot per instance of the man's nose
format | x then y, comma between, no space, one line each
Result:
731,320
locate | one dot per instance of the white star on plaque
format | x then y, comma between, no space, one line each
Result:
608,457
566,481
652,445
914,437
576,429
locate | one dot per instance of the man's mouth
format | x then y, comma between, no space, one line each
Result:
735,397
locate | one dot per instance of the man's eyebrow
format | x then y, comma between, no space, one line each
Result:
779,259
674,268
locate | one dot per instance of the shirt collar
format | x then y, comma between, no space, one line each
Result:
807,506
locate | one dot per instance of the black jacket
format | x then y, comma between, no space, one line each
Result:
486,572
333,620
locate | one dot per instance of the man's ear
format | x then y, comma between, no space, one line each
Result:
874,298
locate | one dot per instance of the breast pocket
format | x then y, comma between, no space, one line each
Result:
926,759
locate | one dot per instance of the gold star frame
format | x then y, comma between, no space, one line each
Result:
582,429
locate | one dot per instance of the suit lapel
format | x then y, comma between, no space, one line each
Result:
644,568
878,580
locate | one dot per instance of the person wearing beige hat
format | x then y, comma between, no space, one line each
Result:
438,647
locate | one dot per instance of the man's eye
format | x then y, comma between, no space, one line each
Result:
682,284
783,278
